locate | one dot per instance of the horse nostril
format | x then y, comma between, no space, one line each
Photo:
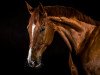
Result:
31,63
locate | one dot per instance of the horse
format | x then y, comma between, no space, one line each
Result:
80,33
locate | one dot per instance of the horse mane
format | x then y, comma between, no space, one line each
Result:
69,12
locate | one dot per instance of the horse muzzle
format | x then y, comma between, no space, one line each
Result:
35,64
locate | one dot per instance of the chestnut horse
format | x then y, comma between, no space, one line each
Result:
80,33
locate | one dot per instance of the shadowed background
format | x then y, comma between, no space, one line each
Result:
14,36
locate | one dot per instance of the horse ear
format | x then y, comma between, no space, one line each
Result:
30,9
42,11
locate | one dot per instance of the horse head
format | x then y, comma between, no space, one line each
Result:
41,35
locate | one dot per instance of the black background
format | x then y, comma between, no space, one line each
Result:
14,36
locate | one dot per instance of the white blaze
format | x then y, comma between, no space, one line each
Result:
30,50
29,55
33,26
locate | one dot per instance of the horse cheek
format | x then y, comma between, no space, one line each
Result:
49,36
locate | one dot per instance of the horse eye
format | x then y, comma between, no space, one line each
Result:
42,29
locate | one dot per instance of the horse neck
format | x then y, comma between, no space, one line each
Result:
73,31
81,37
78,37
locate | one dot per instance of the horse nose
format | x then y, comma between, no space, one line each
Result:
34,64
31,63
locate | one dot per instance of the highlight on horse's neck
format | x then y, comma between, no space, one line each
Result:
79,37
77,33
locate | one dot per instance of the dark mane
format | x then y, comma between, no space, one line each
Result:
68,12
